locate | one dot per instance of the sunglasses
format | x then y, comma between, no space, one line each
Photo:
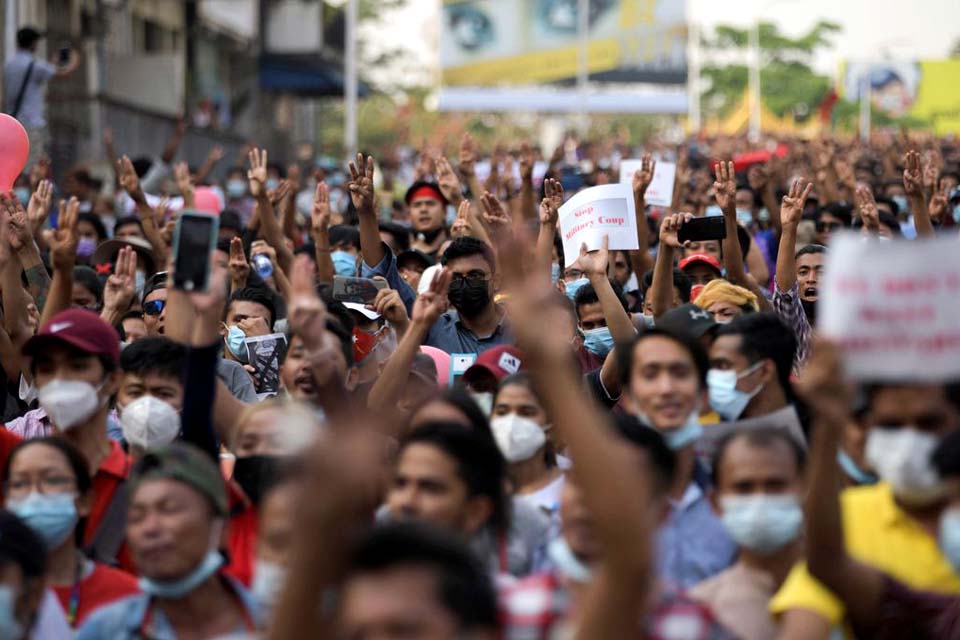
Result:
154,307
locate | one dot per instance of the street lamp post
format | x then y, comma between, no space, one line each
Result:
350,84
754,80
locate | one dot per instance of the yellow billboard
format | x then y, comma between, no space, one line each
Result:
522,42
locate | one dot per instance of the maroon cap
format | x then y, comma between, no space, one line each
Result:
81,329
705,258
500,362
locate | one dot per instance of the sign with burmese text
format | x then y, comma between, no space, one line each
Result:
607,210
894,307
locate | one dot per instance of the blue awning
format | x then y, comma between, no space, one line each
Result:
303,75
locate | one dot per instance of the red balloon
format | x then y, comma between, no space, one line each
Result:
14,150
205,199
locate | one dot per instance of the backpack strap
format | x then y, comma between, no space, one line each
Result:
23,89
110,534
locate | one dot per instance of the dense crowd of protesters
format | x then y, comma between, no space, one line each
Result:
650,443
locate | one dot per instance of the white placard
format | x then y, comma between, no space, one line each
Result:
607,210
660,191
628,168
894,307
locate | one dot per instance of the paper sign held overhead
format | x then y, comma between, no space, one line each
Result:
660,191
894,308
607,210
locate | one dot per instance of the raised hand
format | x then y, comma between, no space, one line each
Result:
468,155
594,263
867,207
430,304
9,205
461,226
389,304
938,201
361,184
844,171
526,162
823,385
63,240
121,285
551,203
912,174
39,171
643,176
306,313
725,188
181,173
21,233
494,215
791,207
320,212
257,174
129,180
284,189
670,227
931,170
448,181
238,265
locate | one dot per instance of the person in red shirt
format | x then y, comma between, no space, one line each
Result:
47,484
75,366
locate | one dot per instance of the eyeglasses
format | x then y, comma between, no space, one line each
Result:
828,226
47,485
154,307
472,278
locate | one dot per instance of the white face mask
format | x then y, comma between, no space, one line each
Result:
519,438
901,457
148,422
69,403
268,581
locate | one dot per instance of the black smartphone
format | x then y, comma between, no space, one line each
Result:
709,228
193,242
64,56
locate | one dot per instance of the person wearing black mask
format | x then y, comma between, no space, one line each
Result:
477,324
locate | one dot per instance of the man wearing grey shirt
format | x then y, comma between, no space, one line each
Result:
25,78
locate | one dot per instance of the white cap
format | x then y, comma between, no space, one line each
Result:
149,423
369,314
427,277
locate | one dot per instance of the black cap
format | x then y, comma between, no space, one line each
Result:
689,319
230,219
415,255
19,544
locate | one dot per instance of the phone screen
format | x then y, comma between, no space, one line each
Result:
64,56
192,260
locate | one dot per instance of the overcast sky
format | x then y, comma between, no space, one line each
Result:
871,28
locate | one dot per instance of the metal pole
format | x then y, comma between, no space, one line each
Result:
754,80
350,80
583,62
693,77
865,100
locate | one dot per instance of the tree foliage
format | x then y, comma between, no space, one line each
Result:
788,83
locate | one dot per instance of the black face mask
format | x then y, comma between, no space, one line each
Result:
429,236
810,308
257,474
468,298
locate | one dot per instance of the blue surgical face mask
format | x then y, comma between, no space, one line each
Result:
23,195
679,437
271,184
554,272
762,523
649,321
140,280
853,471
744,217
573,286
86,247
344,263
567,563
949,536
903,203
956,213
268,581
10,627
598,341
236,343
236,188
173,589
53,517
725,398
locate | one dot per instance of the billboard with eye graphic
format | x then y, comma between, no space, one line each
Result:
525,42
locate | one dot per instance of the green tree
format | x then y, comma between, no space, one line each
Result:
787,80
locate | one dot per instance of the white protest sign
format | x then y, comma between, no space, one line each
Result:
893,307
607,210
628,168
660,191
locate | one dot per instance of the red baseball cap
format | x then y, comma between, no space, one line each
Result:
705,258
81,329
500,362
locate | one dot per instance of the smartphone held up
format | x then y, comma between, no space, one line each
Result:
194,240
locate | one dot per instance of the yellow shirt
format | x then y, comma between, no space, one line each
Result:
877,533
